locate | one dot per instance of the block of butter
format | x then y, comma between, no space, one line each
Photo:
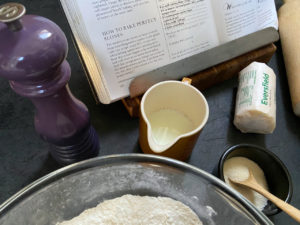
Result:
255,110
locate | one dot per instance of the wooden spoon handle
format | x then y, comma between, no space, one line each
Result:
290,210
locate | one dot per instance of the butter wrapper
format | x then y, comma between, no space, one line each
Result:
255,110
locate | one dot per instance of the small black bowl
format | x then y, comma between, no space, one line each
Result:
276,173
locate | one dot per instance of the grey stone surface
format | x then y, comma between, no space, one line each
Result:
24,156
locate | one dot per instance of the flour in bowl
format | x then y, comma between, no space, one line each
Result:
237,168
137,210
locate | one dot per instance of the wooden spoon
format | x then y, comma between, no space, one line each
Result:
250,182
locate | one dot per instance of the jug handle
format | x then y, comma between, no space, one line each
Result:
186,80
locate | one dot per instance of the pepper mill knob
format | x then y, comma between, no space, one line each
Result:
11,13
33,50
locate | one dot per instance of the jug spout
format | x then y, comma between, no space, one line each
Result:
166,126
161,140
178,148
161,136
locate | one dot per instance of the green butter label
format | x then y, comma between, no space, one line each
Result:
265,86
248,81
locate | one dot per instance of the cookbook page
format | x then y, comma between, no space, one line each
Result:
237,18
266,14
126,38
131,37
189,27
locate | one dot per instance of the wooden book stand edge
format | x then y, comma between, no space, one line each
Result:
214,75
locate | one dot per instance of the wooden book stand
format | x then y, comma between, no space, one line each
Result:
214,75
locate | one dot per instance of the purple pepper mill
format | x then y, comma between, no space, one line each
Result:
32,57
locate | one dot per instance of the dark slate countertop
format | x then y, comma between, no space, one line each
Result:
24,156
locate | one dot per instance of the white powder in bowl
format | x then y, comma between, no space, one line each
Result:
237,168
137,210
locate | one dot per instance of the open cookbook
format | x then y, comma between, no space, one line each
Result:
120,40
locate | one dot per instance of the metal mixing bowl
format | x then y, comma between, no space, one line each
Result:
65,193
